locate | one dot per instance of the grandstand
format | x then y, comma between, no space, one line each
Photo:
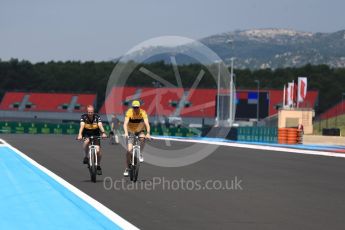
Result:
334,111
202,103
45,105
192,105
197,103
47,102
154,100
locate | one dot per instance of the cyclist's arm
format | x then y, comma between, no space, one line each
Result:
101,128
147,125
82,125
125,126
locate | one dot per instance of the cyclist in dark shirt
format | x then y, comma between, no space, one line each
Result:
91,125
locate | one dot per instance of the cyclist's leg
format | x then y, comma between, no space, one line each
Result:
99,155
129,154
97,143
116,136
111,136
128,157
86,143
129,149
142,140
141,136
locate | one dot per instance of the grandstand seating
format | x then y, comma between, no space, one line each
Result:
148,99
201,101
276,97
84,99
160,100
116,101
11,100
168,100
48,102
311,99
334,111
198,102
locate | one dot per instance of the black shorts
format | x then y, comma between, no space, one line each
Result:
132,135
96,141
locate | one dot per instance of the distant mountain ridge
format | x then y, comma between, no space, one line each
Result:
279,48
260,49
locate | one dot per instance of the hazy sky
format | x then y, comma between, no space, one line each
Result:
44,30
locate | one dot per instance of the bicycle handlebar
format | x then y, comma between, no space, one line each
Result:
141,137
92,137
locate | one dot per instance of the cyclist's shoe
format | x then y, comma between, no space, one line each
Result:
141,157
125,173
99,170
86,160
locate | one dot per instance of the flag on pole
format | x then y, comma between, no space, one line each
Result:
302,89
290,96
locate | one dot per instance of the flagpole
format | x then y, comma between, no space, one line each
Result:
293,92
298,89
284,98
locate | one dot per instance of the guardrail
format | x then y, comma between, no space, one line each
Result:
73,129
247,134
38,128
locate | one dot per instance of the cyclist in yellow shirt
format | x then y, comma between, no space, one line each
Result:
136,121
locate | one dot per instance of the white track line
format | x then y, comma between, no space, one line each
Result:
258,147
118,220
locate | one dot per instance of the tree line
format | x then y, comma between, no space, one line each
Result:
92,77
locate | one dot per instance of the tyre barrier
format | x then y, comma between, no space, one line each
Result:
331,132
290,136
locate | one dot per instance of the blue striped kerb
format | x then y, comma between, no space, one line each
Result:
30,199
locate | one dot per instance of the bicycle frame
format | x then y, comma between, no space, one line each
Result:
92,147
93,158
135,150
134,167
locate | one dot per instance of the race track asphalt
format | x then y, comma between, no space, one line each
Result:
275,190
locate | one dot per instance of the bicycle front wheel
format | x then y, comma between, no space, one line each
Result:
92,167
135,174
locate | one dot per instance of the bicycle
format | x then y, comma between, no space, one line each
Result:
92,165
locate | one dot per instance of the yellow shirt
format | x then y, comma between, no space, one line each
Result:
136,120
